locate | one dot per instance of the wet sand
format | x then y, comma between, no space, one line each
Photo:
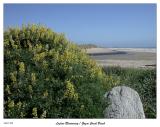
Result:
124,57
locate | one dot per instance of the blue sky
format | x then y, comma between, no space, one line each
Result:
109,25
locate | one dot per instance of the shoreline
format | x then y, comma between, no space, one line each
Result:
124,57
106,50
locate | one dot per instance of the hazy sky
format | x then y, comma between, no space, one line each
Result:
110,25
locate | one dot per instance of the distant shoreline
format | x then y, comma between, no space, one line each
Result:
124,57
128,47
112,50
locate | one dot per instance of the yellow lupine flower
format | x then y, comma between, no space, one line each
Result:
47,79
6,42
44,114
29,44
45,94
33,77
70,91
8,89
13,77
22,115
38,47
34,113
39,56
19,104
82,108
11,104
45,65
30,89
15,62
21,67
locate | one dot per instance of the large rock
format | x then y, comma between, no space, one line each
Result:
124,103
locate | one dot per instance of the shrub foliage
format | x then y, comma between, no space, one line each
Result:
46,76
142,80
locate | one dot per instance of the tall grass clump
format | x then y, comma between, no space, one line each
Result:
142,80
46,76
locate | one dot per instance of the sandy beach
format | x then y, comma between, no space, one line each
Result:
124,57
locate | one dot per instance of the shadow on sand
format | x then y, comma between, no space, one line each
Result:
108,53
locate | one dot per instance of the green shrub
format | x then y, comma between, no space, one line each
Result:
142,80
46,76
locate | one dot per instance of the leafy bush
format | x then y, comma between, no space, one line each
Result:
142,80
46,76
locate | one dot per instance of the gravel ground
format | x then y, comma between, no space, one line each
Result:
124,57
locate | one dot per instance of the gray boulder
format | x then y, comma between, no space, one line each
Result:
124,103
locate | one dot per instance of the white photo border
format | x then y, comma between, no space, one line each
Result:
56,122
